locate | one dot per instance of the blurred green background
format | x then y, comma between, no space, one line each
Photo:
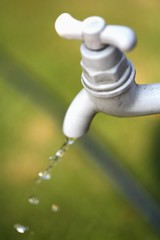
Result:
39,77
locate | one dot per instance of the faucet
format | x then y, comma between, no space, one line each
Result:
108,77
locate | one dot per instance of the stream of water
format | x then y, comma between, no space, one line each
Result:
46,175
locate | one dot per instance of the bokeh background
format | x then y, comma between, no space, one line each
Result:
39,77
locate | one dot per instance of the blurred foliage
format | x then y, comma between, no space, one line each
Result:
33,58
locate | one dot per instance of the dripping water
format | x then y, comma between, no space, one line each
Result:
54,159
47,175
55,208
33,200
21,228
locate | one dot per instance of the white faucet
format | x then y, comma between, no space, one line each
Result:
108,77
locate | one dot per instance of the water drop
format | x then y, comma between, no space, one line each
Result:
21,228
33,200
70,141
55,208
51,158
60,153
45,175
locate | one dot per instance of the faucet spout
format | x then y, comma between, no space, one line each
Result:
79,115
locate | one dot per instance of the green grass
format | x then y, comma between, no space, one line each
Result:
91,207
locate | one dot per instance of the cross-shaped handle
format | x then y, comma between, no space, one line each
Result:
95,32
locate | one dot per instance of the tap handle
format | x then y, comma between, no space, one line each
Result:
68,27
95,33
120,36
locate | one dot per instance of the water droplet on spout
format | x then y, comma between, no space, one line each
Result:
70,141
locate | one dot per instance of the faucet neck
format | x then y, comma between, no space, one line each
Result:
107,72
